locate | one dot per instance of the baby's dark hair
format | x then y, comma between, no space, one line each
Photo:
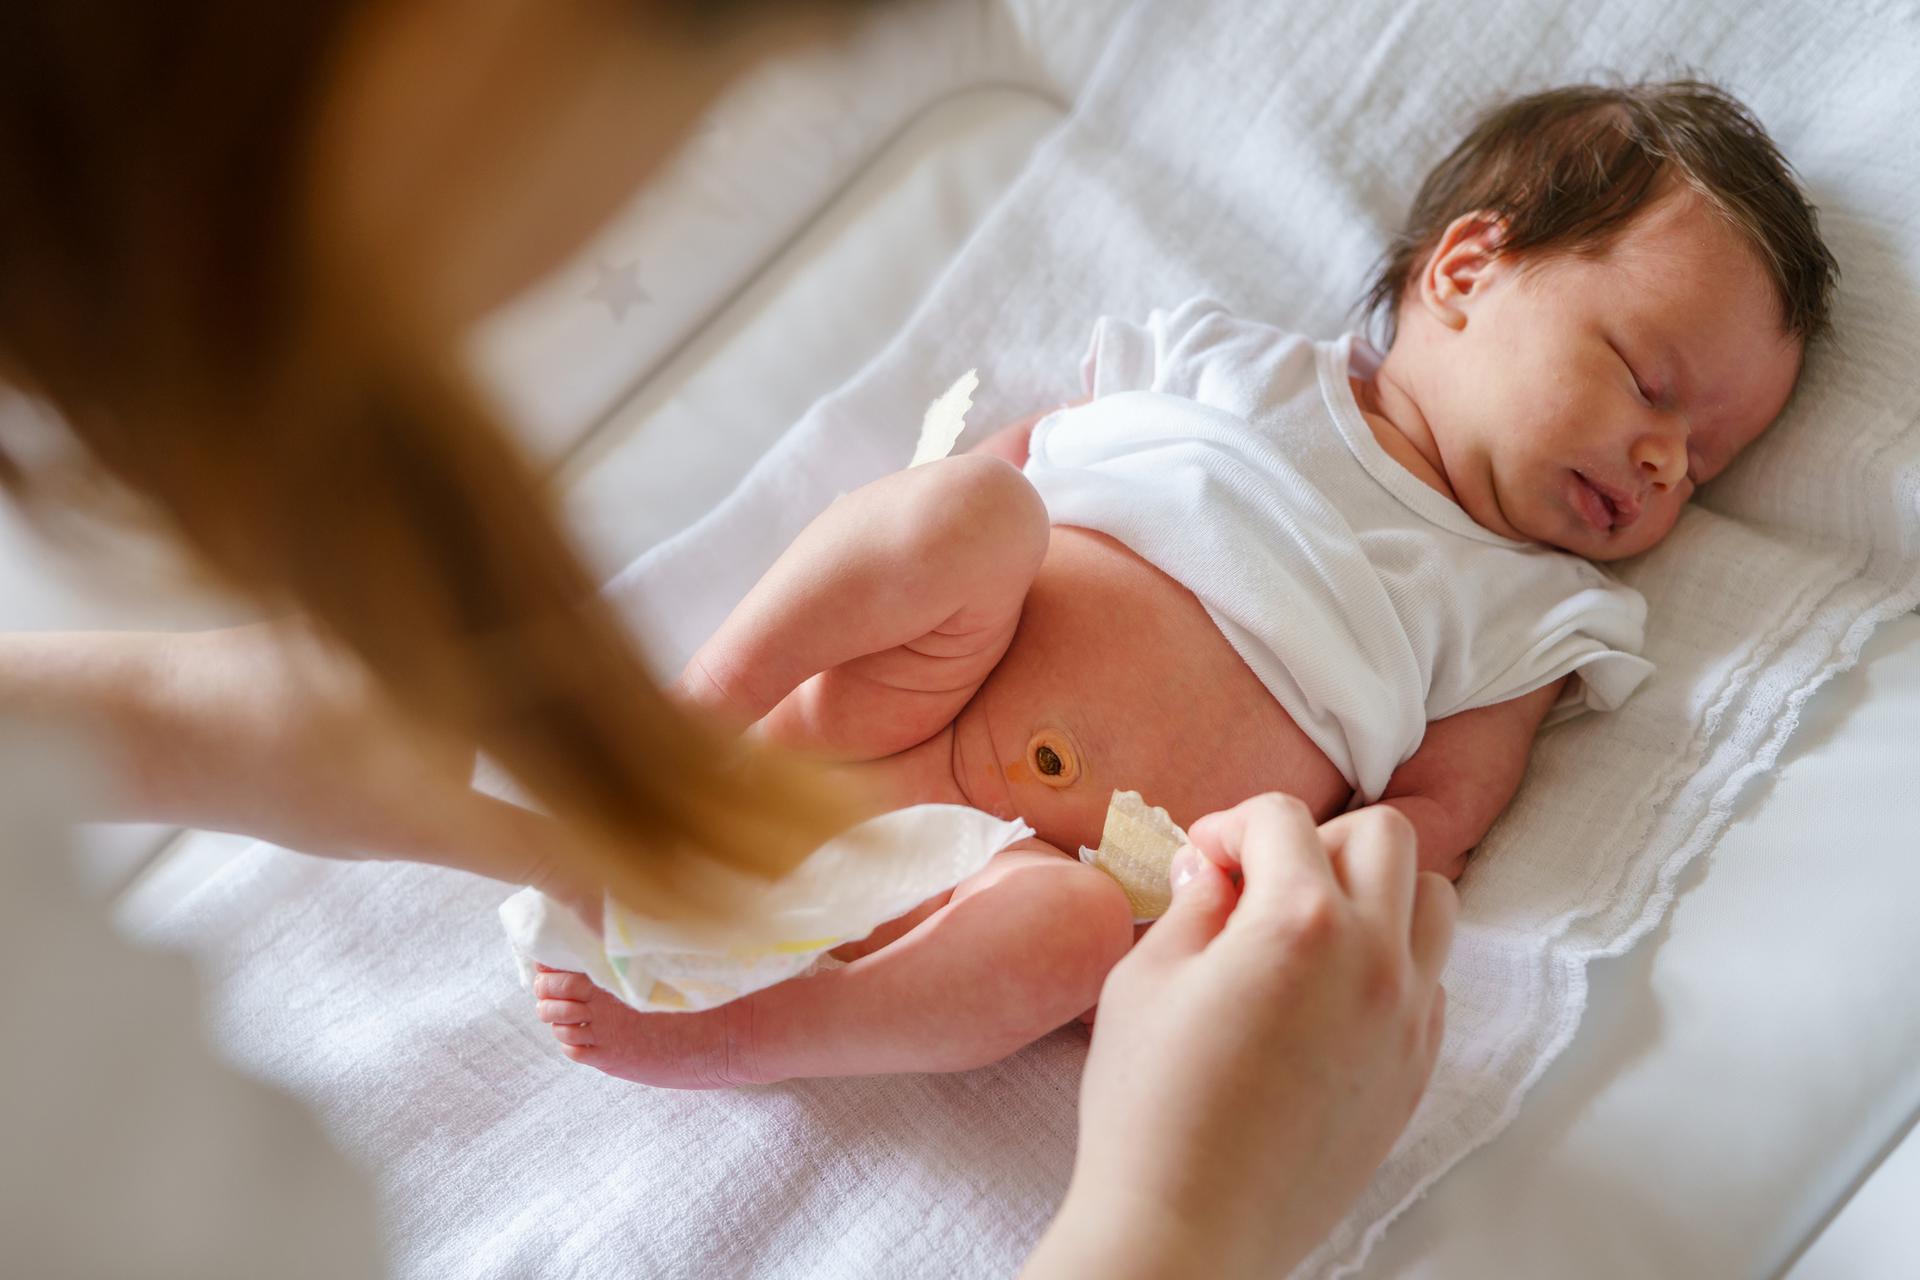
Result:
1570,168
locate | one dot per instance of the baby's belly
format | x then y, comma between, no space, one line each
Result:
1117,680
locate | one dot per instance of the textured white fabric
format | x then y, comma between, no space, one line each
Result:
1231,455
1258,152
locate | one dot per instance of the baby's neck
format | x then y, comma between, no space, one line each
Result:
1401,428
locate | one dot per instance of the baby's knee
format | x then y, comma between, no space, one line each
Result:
976,506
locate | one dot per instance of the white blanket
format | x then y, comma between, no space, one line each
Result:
1258,152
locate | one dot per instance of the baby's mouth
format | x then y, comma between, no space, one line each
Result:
1594,506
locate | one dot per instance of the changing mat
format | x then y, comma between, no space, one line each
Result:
1259,153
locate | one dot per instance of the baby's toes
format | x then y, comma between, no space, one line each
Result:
578,1035
562,1011
555,984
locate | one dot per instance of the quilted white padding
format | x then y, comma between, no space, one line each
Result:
769,157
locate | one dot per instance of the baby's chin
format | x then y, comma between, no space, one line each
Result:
1573,538
1545,522
1488,505
1557,532
1603,554
1600,548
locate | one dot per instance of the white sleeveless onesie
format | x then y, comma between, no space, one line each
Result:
1232,456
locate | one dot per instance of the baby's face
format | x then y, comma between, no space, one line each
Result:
1579,401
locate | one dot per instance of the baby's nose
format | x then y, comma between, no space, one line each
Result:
1659,461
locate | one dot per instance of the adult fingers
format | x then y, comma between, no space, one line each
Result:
1273,839
1203,898
1431,934
1374,857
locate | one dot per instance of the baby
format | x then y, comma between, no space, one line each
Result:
1253,562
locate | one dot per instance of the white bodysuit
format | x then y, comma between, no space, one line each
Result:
1231,456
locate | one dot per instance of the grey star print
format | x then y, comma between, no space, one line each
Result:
618,289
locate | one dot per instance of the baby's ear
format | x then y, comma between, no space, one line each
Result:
1460,264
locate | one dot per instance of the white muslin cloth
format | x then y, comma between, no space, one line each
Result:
779,929
1260,153
1231,455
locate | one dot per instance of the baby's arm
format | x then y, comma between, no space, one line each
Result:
1464,773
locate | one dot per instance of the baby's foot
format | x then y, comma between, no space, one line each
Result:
704,1050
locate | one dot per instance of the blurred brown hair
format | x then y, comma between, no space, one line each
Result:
161,289
1568,169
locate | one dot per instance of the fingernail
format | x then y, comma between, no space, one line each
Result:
1186,865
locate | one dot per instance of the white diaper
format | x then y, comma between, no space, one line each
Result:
842,892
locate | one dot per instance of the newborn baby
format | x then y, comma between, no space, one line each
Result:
1253,562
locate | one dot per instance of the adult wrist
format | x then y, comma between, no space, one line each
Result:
1120,1232
1102,1231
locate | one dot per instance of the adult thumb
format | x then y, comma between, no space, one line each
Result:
1203,897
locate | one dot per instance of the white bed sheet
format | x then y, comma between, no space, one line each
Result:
1735,1074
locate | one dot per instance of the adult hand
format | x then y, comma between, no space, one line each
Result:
1260,1050
265,732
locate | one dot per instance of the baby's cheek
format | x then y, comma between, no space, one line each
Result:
1660,521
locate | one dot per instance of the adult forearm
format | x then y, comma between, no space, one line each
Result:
260,732
101,686
195,728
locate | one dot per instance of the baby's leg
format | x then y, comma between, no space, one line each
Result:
877,625
1017,951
